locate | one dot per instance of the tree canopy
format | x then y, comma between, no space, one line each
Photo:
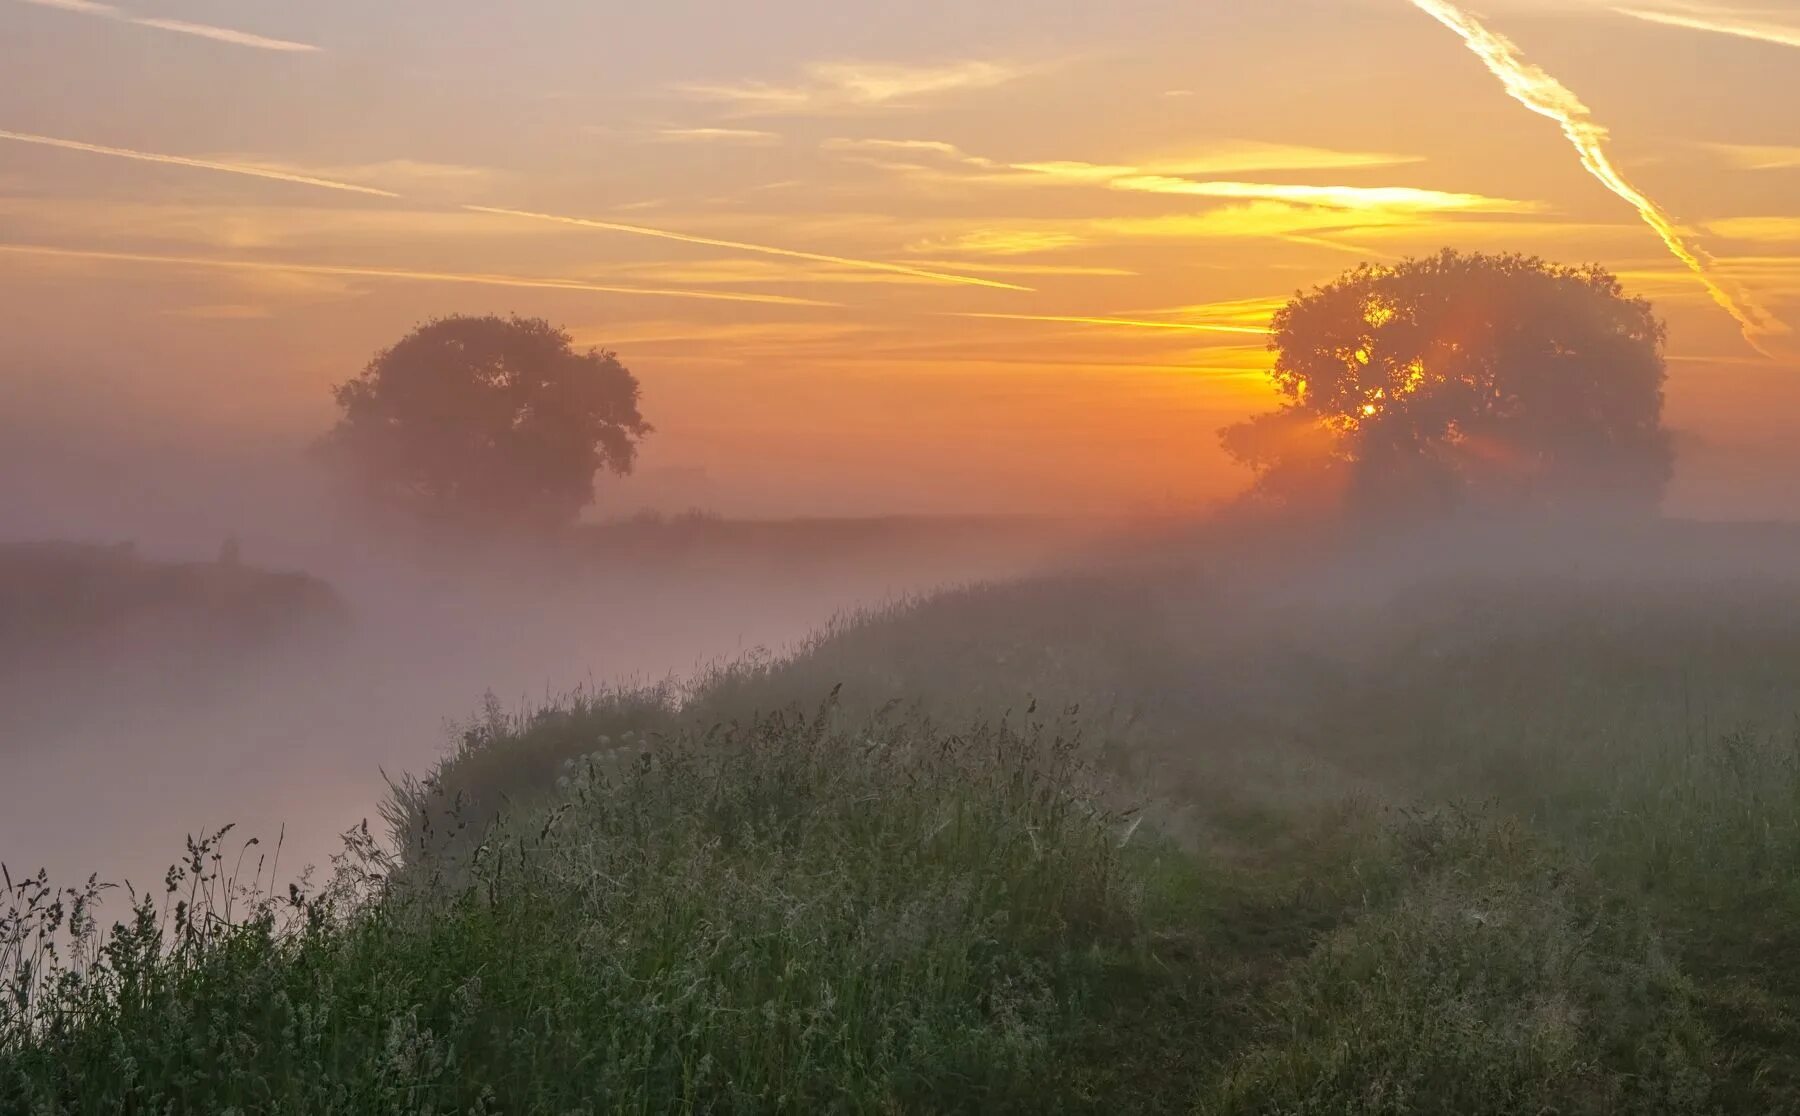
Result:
1463,379
487,421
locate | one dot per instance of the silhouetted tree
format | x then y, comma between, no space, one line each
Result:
1460,379
487,421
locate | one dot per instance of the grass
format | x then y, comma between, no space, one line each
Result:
1108,842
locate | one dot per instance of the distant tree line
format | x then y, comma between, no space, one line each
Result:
1412,390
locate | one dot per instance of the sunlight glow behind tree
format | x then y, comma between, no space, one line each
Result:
1463,380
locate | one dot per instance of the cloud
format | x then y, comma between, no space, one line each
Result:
940,161
271,266
1336,228
1127,323
400,177
179,26
740,270
903,154
937,159
1002,241
781,337
1328,197
223,312
748,136
988,268
740,246
1260,218
1276,220
1769,229
277,174
243,227
1758,157
1538,91
833,88
1241,311
1721,21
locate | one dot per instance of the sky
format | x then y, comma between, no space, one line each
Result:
942,256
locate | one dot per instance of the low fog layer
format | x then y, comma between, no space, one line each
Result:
115,753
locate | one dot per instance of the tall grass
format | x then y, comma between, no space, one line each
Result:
781,915
1085,844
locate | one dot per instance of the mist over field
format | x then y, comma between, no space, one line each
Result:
155,725
826,557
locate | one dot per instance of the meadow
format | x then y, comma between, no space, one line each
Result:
1493,820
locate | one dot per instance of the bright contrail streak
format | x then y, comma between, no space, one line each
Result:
1544,95
201,164
1721,24
394,273
222,34
179,26
1134,323
761,249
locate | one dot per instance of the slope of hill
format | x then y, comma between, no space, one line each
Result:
1458,824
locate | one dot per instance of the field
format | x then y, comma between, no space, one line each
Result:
1237,821
92,605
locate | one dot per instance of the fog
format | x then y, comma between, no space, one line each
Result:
117,749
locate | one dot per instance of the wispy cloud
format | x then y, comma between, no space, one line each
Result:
477,279
1241,311
752,137
277,174
1767,229
1758,157
1123,323
831,88
739,270
179,26
1329,197
223,312
1538,91
741,246
1721,21
1339,229
1002,241
185,226
1258,218
983,267
935,158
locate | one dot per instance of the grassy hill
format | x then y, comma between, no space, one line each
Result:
1254,822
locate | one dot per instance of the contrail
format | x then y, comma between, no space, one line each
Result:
1699,19
222,34
761,249
393,273
180,26
1544,95
201,164
1134,323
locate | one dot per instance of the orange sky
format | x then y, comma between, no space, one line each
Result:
961,256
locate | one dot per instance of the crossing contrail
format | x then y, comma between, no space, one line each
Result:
760,249
478,279
179,26
199,164
1544,95
1698,18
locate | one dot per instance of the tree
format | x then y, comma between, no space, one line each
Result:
1463,379
487,421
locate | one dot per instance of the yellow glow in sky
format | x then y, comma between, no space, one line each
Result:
1039,244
